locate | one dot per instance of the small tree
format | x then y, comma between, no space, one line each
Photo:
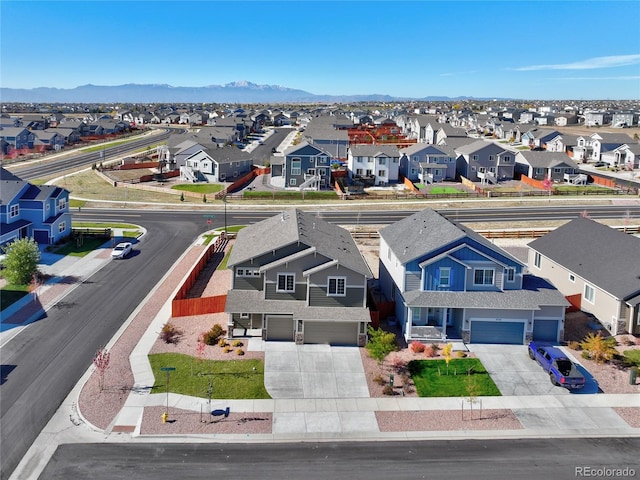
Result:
598,348
446,352
101,361
182,196
204,199
21,261
380,344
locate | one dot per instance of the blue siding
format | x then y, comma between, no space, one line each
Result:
456,276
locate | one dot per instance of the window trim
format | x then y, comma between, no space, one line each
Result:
286,275
590,298
572,278
484,279
336,290
510,274
442,270
537,259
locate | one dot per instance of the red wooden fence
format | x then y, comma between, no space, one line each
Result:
575,301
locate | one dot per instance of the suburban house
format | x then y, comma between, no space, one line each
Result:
540,165
17,137
306,167
199,162
377,163
625,156
482,161
37,211
330,134
298,278
597,267
427,163
447,281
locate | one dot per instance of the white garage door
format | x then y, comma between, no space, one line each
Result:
280,327
333,333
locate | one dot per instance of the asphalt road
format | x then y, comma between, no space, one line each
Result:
555,459
47,359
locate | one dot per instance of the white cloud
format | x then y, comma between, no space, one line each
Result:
589,64
622,77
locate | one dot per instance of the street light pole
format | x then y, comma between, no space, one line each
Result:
224,200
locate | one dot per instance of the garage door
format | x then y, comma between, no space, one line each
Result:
41,237
280,327
545,330
497,332
332,333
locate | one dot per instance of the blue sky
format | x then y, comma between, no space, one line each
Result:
531,50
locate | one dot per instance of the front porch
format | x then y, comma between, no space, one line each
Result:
433,324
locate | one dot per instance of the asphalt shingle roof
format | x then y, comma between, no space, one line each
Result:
293,226
597,253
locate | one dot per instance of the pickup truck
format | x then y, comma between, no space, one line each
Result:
562,371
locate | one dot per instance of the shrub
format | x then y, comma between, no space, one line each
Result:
629,341
387,390
170,333
227,348
435,347
585,355
239,351
222,342
574,345
378,379
599,348
211,337
236,343
399,365
461,354
417,347
430,351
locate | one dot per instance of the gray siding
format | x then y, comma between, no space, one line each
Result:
412,281
318,298
247,283
299,294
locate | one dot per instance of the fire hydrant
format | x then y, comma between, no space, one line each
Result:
165,417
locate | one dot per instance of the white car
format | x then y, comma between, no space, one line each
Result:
122,250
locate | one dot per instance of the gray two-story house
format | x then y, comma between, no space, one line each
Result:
485,161
449,282
298,278
307,167
427,163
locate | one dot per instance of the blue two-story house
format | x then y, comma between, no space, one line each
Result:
449,282
307,167
37,211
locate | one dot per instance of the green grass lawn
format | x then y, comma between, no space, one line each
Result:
431,379
232,379
199,188
581,188
632,357
444,190
419,185
11,294
89,244
328,195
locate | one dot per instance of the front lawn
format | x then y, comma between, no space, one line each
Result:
632,357
11,294
231,379
199,188
444,190
73,248
465,377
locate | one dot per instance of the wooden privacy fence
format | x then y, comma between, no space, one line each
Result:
181,306
575,301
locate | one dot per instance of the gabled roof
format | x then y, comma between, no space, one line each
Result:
477,146
546,159
426,231
603,256
305,148
294,226
374,150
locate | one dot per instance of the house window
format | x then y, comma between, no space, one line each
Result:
491,158
572,278
381,173
358,171
474,158
394,160
247,272
62,204
506,159
292,182
296,164
589,293
415,314
311,171
445,277
511,274
244,315
537,259
557,170
286,282
14,211
62,226
336,286
382,161
483,276
415,159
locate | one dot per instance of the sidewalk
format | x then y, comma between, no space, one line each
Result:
296,419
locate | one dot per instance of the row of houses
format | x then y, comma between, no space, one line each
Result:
299,278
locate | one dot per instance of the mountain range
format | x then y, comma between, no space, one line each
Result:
235,92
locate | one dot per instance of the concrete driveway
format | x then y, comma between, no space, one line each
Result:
513,372
313,371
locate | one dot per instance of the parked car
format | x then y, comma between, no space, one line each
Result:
562,371
122,250
600,164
